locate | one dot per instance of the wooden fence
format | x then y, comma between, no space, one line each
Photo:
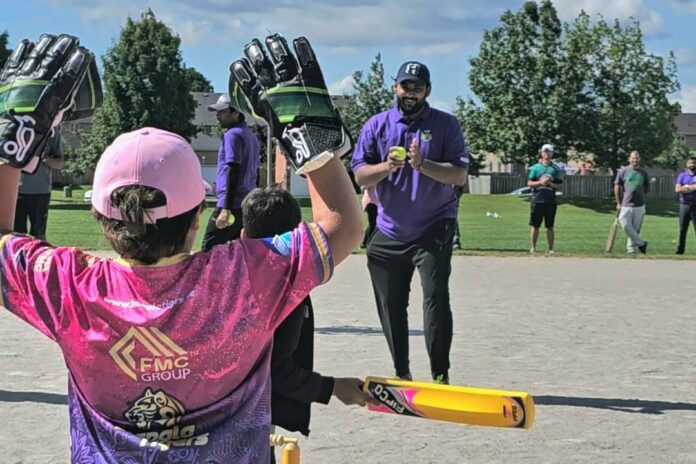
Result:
578,186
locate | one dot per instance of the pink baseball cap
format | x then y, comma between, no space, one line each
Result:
152,158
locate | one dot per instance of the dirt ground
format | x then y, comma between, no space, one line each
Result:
606,346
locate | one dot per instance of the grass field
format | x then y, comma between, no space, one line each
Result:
582,225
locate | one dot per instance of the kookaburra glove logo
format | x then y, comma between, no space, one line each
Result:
288,91
41,85
25,138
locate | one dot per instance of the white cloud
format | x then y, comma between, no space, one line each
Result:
687,99
342,87
684,6
345,28
685,57
441,104
651,22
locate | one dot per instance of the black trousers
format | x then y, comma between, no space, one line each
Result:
687,214
371,211
391,264
32,207
214,236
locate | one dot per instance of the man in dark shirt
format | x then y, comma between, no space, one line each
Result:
35,192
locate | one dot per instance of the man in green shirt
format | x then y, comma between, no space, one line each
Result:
545,179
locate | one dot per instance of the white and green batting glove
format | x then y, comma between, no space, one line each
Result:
41,85
288,91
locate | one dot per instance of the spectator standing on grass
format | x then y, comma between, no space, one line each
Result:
35,192
630,188
545,179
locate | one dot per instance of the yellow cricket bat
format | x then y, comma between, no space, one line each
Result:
465,405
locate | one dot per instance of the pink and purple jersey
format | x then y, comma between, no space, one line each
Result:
167,363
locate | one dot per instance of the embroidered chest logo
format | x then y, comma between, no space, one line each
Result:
426,136
158,415
147,354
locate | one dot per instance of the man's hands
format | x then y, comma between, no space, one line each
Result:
225,218
41,85
288,91
349,391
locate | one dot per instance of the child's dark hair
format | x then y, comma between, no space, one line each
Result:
270,211
132,237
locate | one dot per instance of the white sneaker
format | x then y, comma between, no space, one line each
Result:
532,251
550,252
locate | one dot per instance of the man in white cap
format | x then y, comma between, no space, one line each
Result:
237,173
544,179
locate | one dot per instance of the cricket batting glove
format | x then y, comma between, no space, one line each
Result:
288,92
41,85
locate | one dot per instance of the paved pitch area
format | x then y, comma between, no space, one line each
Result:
606,346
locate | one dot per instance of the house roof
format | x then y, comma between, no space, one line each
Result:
686,123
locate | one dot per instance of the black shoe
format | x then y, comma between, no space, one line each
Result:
679,252
643,248
406,376
441,379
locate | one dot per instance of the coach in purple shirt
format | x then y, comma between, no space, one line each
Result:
237,173
417,213
686,188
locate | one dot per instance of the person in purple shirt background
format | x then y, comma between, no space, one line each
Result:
686,188
237,173
417,213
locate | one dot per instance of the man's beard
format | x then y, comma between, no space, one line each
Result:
408,108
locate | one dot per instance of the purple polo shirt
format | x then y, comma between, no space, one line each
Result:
411,202
686,178
239,145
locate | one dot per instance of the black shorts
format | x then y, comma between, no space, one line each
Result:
544,211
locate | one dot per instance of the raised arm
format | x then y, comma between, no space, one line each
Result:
289,92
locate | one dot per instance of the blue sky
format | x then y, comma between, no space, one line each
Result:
347,35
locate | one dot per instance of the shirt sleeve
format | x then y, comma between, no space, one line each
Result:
456,151
532,173
31,278
682,179
366,150
285,268
233,144
619,177
557,175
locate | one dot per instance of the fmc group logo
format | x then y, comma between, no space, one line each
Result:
147,354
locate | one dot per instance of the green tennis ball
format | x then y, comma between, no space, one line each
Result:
400,153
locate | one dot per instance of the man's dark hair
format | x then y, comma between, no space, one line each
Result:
270,211
691,158
132,237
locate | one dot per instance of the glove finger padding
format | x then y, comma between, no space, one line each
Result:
290,94
38,86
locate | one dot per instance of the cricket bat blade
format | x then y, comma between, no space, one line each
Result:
452,403
611,238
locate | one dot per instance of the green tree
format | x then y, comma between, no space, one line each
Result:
587,87
521,98
145,84
628,88
370,96
197,81
4,51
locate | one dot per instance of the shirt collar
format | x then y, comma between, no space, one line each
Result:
395,115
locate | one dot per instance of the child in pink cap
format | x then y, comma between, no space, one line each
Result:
167,351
